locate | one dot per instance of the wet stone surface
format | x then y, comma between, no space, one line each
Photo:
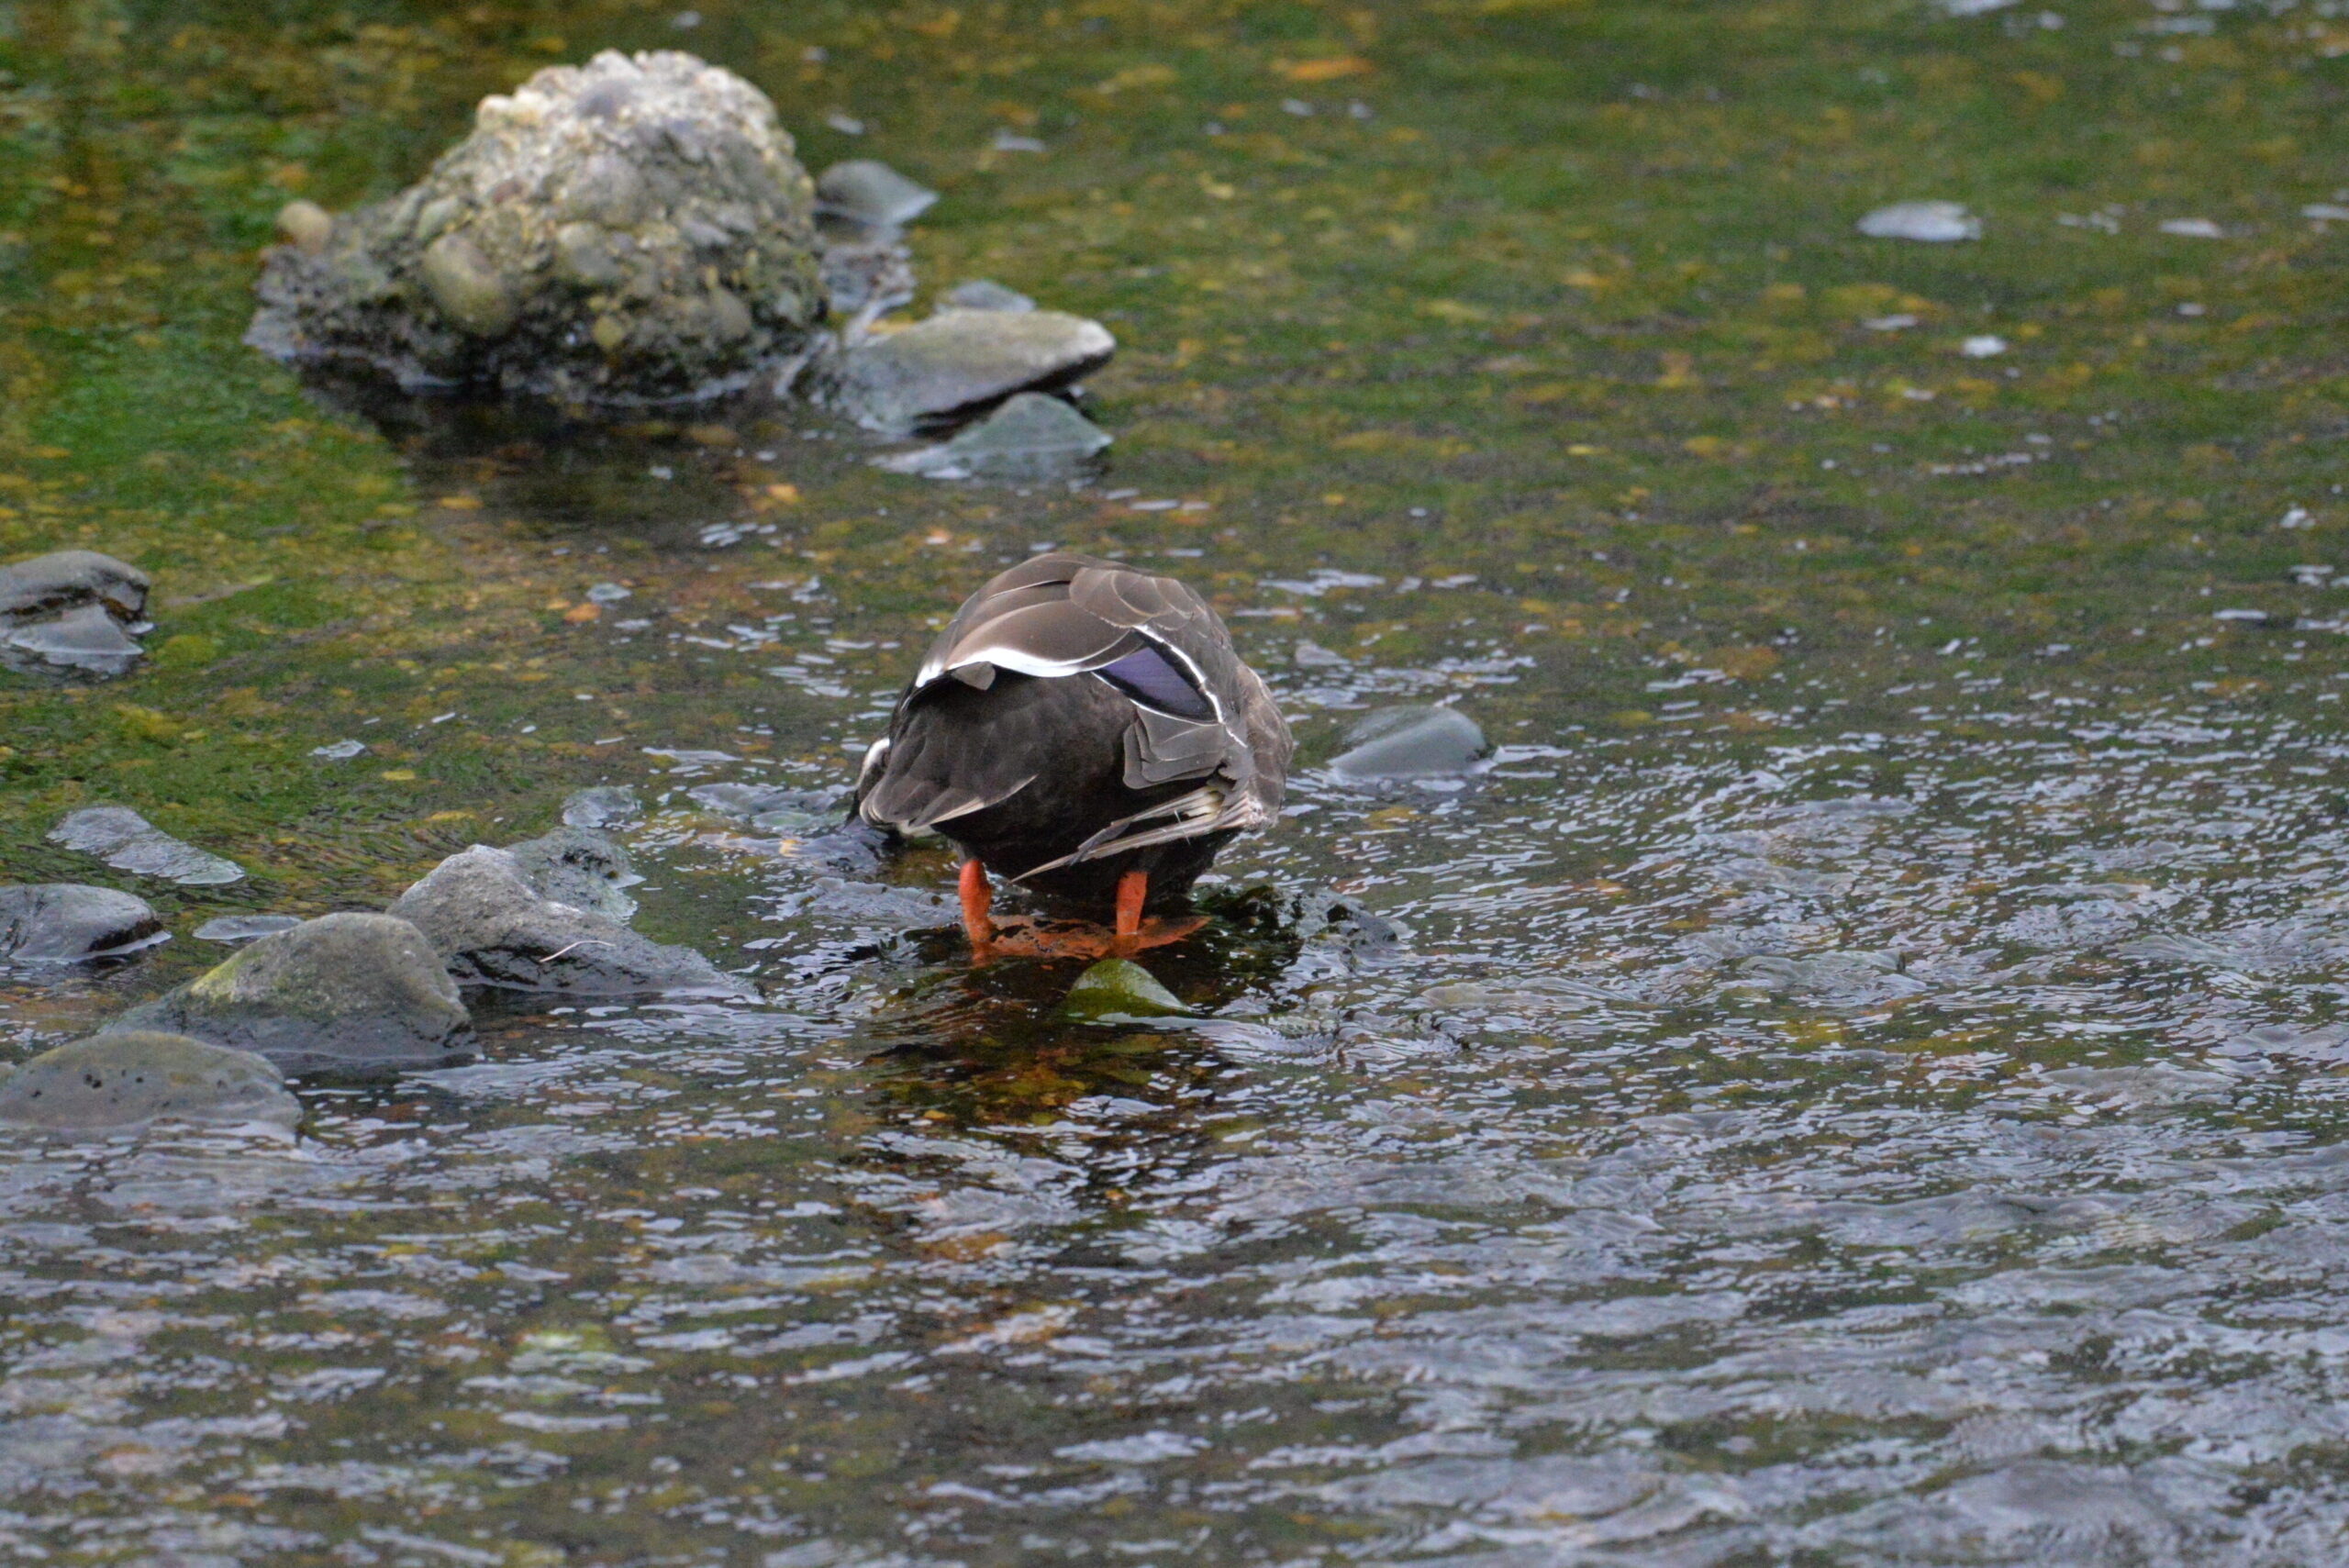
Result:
71,611
353,994
71,923
128,842
135,1077
960,362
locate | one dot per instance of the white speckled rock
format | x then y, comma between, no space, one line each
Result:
633,230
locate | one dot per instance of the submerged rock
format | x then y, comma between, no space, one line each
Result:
579,867
632,231
68,922
71,610
606,805
355,994
1120,989
1939,223
244,927
1413,742
772,808
134,1077
128,842
870,192
980,294
1032,437
961,362
491,926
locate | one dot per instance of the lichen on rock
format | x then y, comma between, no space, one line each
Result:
630,231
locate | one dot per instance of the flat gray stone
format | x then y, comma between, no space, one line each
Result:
69,922
1034,437
1120,989
579,867
963,362
871,191
67,579
1935,223
982,293
491,926
128,1079
244,927
1415,742
353,993
128,842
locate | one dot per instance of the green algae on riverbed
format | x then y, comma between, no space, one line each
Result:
1855,1081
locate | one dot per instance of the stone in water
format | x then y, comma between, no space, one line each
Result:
338,751
1985,346
1934,222
869,191
244,927
980,294
67,922
1410,743
71,610
128,842
606,805
1032,436
963,362
1120,989
128,1079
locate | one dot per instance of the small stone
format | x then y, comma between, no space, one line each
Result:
68,922
1983,346
86,639
980,294
579,867
871,191
66,579
772,808
1034,437
350,993
1938,223
962,362
338,751
2193,229
491,926
467,288
305,226
245,928
1120,989
1414,742
606,805
128,1079
128,842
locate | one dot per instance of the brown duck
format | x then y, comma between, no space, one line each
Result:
1084,729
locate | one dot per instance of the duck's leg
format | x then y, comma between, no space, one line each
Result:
1133,887
977,899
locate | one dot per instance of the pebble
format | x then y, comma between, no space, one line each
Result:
71,610
963,362
128,1079
1033,438
869,191
244,927
1120,988
338,751
128,842
69,922
351,995
979,294
1412,742
1939,223
606,805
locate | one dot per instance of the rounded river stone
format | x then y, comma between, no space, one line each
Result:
140,1076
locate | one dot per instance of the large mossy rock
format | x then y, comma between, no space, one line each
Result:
134,1077
633,230
364,996
492,925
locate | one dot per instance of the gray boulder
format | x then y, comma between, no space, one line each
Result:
960,363
128,842
133,1077
491,926
1414,742
632,231
356,995
71,610
68,922
581,868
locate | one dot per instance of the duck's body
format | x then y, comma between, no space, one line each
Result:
1084,729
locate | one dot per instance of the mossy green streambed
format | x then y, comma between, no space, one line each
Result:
1858,1080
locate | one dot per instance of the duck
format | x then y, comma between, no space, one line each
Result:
1084,729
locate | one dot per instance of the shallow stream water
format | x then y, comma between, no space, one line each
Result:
1857,1078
